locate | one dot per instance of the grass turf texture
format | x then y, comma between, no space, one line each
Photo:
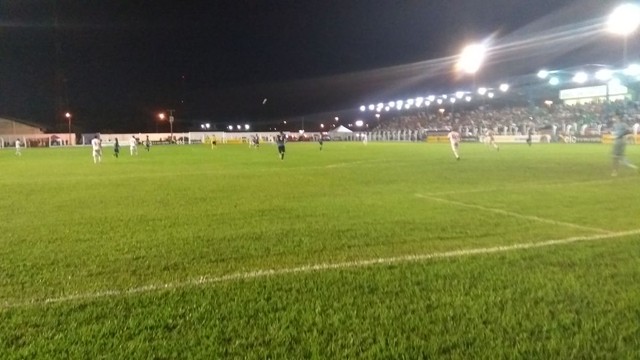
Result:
180,213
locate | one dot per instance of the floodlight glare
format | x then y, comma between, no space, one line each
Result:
409,101
431,98
490,95
453,100
392,104
467,98
482,90
624,19
504,87
614,82
604,74
386,108
542,74
380,105
439,101
246,126
632,70
554,81
359,123
444,96
471,58
363,108
580,77
459,94
371,107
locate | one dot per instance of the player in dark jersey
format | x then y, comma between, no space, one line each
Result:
281,139
116,148
529,134
147,144
320,142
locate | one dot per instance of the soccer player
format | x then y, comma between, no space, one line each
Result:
620,131
18,145
529,134
454,139
281,139
364,139
96,146
116,149
492,141
147,144
320,142
214,142
133,145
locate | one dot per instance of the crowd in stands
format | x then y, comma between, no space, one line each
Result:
556,120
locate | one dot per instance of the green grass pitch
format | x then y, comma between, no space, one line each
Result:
384,251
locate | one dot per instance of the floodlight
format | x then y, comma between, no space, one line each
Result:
471,58
604,74
459,94
467,98
482,91
542,74
504,87
359,123
363,108
580,77
632,70
453,100
624,19
554,81
490,95
371,107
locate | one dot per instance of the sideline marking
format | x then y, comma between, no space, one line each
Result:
521,186
265,273
513,214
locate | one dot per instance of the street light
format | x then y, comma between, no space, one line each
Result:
68,116
624,20
171,118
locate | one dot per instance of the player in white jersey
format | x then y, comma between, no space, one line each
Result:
133,145
18,146
492,141
96,146
454,139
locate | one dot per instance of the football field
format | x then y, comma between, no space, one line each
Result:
383,251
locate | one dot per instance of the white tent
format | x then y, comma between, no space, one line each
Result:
340,132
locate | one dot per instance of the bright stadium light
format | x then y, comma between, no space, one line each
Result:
419,101
623,21
427,104
431,98
409,101
543,74
580,77
504,87
471,58
490,95
371,107
444,96
554,81
387,108
467,98
604,74
363,108
359,123
399,104
392,104
439,101
452,100
482,91
230,127
246,126
380,105
632,70
459,94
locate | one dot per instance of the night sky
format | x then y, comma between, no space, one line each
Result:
116,64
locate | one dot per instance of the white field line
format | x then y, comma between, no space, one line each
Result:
513,214
521,186
265,273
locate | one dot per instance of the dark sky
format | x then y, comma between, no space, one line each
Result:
115,64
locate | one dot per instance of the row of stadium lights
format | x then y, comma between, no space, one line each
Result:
582,77
624,20
431,99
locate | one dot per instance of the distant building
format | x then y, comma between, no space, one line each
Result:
15,127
